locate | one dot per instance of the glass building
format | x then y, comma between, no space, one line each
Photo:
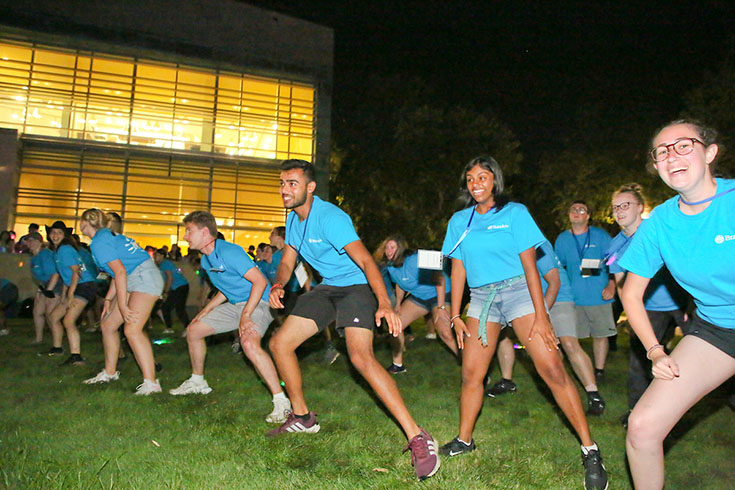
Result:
148,127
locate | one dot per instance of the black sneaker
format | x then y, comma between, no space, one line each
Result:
395,369
595,475
455,447
599,376
74,359
595,403
501,387
53,351
624,419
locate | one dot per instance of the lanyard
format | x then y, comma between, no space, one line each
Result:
580,250
612,255
466,231
303,236
719,194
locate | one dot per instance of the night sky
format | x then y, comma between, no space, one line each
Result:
538,65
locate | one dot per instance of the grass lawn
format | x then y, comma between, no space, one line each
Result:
57,433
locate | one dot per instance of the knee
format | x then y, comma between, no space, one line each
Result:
552,371
472,375
69,322
195,331
360,360
571,346
642,430
250,345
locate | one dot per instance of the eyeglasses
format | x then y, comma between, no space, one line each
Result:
682,146
578,210
623,206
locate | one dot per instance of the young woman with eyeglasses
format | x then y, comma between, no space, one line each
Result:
135,287
664,299
492,245
693,235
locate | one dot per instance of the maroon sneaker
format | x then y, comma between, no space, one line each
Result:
424,457
294,423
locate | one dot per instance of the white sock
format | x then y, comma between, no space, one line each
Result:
279,396
197,378
398,365
463,442
587,449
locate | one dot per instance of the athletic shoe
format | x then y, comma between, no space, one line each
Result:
53,351
91,329
599,376
455,447
595,475
330,355
191,387
102,377
501,387
595,403
147,387
4,331
424,457
168,330
236,347
430,336
281,409
295,423
75,359
396,369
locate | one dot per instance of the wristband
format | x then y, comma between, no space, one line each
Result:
277,285
651,349
451,320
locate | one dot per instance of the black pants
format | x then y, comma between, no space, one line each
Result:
176,299
639,367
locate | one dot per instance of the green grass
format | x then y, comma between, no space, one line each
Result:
57,433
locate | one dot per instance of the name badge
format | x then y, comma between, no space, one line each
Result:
430,259
301,274
590,267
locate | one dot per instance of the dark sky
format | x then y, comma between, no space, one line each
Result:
536,64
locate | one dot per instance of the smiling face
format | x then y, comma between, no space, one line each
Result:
626,217
684,173
295,188
480,184
55,236
391,247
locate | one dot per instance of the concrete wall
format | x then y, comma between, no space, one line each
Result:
9,174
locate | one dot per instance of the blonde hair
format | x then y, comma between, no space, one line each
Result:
96,218
633,189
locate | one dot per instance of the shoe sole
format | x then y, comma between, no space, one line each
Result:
492,395
311,430
204,391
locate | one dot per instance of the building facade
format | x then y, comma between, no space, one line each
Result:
153,109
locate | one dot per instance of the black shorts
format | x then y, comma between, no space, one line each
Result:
8,295
86,291
430,303
722,338
348,306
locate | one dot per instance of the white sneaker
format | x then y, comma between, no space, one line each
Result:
236,347
102,377
168,330
4,331
281,409
191,387
430,336
147,387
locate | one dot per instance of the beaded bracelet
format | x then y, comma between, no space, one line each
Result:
451,320
277,285
651,349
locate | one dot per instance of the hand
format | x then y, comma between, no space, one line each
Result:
542,326
608,292
106,310
128,314
275,297
247,328
391,317
461,331
664,367
199,317
441,316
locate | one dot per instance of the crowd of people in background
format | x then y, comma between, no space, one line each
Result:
674,269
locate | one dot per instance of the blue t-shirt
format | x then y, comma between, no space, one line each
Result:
570,249
546,260
108,246
293,283
266,269
658,295
43,265
321,238
179,279
226,267
88,261
699,251
418,282
490,251
67,256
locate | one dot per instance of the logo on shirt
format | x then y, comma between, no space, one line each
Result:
497,227
356,320
315,240
724,238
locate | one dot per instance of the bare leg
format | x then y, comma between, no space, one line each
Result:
75,309
580,361
39,316
283,345
110,326
445,333
409,312
600,346
261,360
702,368
360,349
195,334
550,367
506,357
475,361
141,304
57,328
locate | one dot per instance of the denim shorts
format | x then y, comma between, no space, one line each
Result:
146,278
509,303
